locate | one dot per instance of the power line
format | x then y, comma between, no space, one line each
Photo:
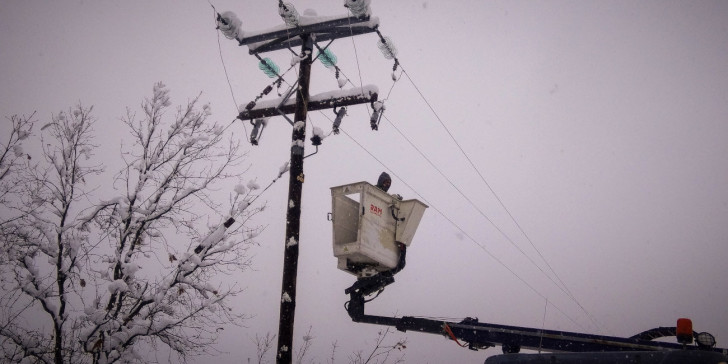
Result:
563,285
568,293
222,59
508,238
356,54
456,226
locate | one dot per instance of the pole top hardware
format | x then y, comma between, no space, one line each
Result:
324,27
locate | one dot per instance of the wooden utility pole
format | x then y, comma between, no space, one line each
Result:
293,215
285,38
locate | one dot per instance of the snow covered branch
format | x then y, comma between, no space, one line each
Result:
93,282
12,160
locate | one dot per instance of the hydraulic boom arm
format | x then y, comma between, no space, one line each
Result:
480,335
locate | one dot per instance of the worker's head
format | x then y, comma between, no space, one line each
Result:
384,181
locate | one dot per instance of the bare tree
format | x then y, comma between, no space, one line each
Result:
381,352
41,245
303,349
334,346
263,345
102,281
12,160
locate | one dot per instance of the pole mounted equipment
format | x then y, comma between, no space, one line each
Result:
359,8
269,67
339,117
257,132
288,13
229,25
387,47
324,28
327,58
378,111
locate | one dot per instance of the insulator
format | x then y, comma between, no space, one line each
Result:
374,120
339,116
269,67
257,132
387,47
378,107
358,8
288,13
279,83
394,69
316,140
267,89
328,58
229,25
250,105
318,136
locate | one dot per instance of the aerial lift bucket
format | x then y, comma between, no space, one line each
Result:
367,224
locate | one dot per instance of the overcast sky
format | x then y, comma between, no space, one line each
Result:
600,125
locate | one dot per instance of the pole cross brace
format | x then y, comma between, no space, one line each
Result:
327,100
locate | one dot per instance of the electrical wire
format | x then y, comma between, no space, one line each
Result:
562,284
470,201
456,226
482,178
222,59
391,53
356,54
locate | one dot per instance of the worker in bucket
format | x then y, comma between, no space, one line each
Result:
384,181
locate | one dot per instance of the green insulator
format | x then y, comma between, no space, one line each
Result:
328,58
269,67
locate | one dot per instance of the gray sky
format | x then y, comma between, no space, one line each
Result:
600,125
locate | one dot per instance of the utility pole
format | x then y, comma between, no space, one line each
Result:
293,215
327,29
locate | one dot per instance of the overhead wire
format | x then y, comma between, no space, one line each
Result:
356,53
482,178
454,224
561,284
222,59
470,201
